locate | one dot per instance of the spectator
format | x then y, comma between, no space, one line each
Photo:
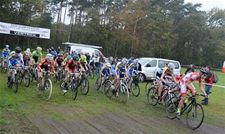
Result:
190,69
208,86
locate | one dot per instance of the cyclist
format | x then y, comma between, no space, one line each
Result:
166,76
105,71
59,60
187,83
5,55
83,61
72,66
27,57
121,72
37,54
15,61
47,64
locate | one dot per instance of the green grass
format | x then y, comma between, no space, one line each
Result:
60,107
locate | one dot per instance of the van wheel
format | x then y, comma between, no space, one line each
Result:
142,78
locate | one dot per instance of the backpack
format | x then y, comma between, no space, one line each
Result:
215,78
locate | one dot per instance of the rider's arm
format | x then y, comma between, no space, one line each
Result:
201,88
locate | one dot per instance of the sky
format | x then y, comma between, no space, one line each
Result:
207,5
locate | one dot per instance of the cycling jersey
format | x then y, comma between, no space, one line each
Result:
46,65
83,59
190,77
36,55
72,65
5,53
15,61
59,60
121,70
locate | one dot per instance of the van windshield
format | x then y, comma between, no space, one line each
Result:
143,61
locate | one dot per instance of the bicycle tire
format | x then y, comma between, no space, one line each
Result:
15,84
171,109
84,85
152,96
98,84
123,93
108,89
26,79
193,113
48,88
74,90
135,87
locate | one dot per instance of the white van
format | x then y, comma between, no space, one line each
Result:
82,48
151,65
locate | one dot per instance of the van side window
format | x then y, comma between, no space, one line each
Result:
153,63
162,63
176,65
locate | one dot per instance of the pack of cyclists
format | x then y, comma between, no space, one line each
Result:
117,69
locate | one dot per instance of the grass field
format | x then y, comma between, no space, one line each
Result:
26,106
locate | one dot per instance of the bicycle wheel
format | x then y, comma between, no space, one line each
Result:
123,93
195,116
14,84
171,108
135,89
152,96
98,84
47,89
147,86
74,90
108,90
26,79
84,86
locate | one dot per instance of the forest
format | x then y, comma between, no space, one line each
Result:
169,29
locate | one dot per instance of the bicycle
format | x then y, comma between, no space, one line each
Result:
122,89
100,83
45,85
192,110
13,83
152,94
60,74
133,85
25,76
3,65
76,82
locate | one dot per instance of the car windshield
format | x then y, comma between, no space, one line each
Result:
143,61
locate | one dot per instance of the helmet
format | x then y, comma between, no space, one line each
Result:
135,61
124,61
205,71
12,54
7,46
108,65
75,57
18,50
28,50
131,65
39,49
49,57
171,66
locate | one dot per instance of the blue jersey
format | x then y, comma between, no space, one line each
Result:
106,72
15,61
5,53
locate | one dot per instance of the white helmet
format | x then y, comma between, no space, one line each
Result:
7,46
28,50
171,66
108,65
49,57
124,61
39,49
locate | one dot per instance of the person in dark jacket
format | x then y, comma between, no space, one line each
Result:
190,69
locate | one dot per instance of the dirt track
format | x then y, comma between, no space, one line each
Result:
114,123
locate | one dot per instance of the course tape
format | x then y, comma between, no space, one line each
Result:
214,85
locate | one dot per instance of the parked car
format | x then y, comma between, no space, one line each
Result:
151,65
